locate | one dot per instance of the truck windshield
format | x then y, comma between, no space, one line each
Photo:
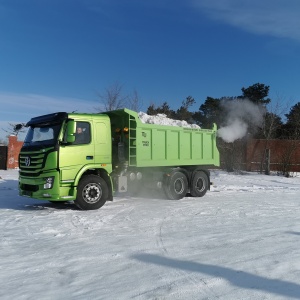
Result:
45,135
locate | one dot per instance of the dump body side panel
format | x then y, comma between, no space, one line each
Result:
158,145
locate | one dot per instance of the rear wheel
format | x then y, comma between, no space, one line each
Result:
176,186
199,184
92,192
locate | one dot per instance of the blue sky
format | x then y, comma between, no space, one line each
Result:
57,55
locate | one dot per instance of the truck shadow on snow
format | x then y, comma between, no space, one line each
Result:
10,199
144,193
240,279
293,232
48,205
19,204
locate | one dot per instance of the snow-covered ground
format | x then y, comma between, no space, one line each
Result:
240,241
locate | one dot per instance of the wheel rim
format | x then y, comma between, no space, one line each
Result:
179,186
200,185
91,193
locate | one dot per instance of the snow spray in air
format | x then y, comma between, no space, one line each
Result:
239,113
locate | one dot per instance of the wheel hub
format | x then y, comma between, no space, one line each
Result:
179,186
200,185
92,193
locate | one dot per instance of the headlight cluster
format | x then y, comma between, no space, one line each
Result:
48,184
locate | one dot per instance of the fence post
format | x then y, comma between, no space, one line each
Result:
267,161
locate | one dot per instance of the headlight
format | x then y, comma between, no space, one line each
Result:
48,182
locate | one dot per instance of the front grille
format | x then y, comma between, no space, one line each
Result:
31,163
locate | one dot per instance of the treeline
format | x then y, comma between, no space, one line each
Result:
277,122
274,123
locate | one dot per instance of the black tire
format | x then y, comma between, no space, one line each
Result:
176,186
92,192
199,184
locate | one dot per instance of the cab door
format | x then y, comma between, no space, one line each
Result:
103,142
74,156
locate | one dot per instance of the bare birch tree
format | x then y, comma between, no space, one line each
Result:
113,98
135,102
15,129
270,128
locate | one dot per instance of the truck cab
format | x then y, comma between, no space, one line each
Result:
61,148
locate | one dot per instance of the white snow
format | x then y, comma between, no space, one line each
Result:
162,119
240,241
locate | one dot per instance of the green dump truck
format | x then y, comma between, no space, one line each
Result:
88,158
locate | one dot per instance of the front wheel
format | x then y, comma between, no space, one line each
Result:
92,192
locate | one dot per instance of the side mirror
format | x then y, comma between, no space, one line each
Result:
71,130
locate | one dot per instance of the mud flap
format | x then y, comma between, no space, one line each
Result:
122,184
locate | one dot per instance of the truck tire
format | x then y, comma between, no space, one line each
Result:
92,192
176,186
199,184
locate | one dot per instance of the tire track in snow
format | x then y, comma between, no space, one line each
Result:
159,237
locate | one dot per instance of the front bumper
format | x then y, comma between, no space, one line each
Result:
40,188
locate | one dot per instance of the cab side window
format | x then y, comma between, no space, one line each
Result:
83,133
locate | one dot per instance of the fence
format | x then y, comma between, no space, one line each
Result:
277,155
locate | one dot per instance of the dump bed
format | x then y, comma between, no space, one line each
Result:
151,145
